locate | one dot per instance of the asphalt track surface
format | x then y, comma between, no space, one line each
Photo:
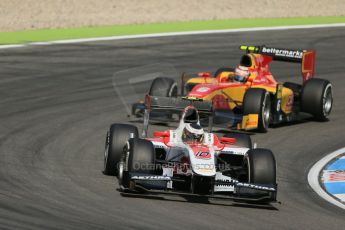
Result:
58,101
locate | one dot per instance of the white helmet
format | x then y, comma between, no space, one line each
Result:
193,132
241,74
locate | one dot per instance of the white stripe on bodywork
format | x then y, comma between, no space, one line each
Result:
235,151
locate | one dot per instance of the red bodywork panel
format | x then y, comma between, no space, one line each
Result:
219,144
308,65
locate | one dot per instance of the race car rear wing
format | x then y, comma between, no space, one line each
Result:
177,104
174,105
305,57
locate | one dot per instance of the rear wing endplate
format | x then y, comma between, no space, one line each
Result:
305,57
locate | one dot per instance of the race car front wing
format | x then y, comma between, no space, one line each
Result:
161,185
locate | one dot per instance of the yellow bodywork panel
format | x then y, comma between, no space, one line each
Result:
236,94
286,100
233,95
249,122
200,80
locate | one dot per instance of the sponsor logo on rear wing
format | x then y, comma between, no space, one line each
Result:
276,52
279,54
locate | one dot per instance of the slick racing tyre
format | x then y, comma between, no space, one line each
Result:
163,87
138,157
317,99
116,139
261,166
242,139
261,169
258,101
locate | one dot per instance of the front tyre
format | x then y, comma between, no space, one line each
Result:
116,139
258,101
261,169
163,87
138,157
261,166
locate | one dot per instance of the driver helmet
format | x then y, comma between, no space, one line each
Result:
241,74
193,132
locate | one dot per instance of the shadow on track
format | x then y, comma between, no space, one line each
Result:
200,200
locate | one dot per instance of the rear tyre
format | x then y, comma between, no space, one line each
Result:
242,139
163,87
138,157
317,99
117,137
258,101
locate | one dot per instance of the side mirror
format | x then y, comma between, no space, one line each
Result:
228,140
204,74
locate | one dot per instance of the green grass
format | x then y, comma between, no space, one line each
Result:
117,30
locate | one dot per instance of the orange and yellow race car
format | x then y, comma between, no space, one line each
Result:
252,94
249,93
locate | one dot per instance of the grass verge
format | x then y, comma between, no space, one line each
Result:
118,30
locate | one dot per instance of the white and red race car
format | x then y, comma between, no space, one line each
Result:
176,162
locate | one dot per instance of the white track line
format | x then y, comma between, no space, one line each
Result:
72,41
12,46
313,177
